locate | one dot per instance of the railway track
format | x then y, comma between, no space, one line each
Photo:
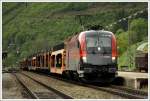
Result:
51,93
116,90
138,92
121,92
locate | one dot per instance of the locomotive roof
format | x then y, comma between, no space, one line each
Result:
103,31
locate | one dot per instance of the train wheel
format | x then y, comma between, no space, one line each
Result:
75,76
146,70
83,80
64,75
68,75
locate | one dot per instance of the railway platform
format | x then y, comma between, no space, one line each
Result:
134,79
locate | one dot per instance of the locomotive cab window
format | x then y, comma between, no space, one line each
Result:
98,43
92,41
105,43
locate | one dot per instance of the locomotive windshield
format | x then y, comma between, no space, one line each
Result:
98,43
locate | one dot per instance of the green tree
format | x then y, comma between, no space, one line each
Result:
122,40
138,30
119,31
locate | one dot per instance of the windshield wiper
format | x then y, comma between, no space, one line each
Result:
101,45
92,51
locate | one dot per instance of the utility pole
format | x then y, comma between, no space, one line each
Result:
80,21
129,43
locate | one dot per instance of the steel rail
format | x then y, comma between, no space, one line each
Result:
118,92
138,92
123,92
32,94
50,88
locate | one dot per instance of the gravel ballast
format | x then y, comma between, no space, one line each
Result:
76,91
11,89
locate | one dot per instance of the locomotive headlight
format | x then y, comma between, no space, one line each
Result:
84,59
113,59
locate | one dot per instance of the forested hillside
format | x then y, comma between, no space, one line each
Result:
32,27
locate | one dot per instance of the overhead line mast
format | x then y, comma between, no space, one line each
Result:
81,18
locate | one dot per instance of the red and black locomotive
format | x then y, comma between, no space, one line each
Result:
88,56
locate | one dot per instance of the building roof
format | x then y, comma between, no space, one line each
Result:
143,47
